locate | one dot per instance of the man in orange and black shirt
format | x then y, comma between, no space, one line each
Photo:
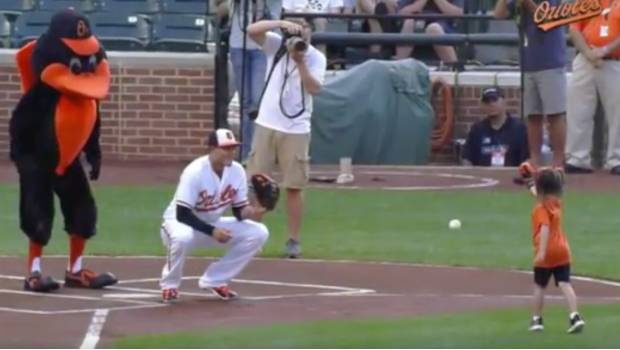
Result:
552,256
596,72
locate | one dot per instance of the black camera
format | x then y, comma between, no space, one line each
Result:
294,42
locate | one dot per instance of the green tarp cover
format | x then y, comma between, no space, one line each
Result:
376,113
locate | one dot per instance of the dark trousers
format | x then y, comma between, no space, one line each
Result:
37,185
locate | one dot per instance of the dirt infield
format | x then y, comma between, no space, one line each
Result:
271,291
366,177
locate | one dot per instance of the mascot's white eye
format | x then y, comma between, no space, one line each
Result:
75,65
92,63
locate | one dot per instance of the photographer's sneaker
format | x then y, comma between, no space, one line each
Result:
293,249
537,324
576,324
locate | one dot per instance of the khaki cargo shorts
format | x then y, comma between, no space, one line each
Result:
289,151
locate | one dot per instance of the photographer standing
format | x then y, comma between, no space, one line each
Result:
296,71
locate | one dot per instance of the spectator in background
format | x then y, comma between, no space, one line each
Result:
377,7
499,139
446,54
314,6
543,60
255,60
596,72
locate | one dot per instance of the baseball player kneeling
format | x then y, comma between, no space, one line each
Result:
208,187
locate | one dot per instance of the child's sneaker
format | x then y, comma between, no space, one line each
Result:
537,324
576,324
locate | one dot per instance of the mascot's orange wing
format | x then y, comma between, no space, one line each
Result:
24,66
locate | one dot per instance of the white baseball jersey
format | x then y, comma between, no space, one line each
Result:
202,190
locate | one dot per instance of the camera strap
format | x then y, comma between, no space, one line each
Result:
279,54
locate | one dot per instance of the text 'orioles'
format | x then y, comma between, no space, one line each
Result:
548,17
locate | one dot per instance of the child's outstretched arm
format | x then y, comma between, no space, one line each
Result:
544,240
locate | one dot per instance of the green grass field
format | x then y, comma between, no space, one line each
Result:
385,226
496,329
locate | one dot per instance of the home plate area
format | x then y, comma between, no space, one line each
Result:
271,291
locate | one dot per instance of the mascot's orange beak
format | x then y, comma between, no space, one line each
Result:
92,85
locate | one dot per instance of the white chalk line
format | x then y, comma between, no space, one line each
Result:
94,329
79,311
595,280
482,181
259,282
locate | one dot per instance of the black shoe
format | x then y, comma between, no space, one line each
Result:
88,279
576,324
615,170
40,284
572,169
536,325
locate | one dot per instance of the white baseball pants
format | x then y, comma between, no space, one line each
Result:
248,237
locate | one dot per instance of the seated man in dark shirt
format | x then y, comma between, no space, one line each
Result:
499,139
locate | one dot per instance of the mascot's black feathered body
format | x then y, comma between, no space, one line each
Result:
64,74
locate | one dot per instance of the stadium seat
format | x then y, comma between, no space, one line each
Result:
56,5
183,32
493,54
29,26
197,7
16,5
121,32
5,32
128,6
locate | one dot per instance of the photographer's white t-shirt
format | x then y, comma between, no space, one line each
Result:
270,114
318,6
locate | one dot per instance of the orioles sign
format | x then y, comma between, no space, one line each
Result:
548,17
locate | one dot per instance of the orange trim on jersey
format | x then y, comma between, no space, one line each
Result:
91,85
74,122
24,66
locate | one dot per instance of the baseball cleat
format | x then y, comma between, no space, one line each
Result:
40,284
224,293
576,324
169,295
89,279
537,324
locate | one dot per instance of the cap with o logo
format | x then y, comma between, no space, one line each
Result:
222,138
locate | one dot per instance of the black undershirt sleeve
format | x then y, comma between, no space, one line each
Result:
187,216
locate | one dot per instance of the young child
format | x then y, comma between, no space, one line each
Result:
551,250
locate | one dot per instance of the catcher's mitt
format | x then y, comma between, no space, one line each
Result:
266,190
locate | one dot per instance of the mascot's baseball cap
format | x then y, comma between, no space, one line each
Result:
222,138
491,94
74,31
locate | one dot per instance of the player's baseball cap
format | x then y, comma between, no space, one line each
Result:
491,94
222,138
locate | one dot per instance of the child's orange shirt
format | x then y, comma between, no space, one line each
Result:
549,212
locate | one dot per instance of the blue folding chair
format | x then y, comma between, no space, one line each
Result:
29,26
128,6
57,5
197,7
127,32
180,33
16,5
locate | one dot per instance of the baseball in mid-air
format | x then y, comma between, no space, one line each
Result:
454,224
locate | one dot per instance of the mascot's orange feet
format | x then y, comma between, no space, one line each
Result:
89,279
40,284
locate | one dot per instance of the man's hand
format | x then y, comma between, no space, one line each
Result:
297,56
595,56
291,27
95,168
221,235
